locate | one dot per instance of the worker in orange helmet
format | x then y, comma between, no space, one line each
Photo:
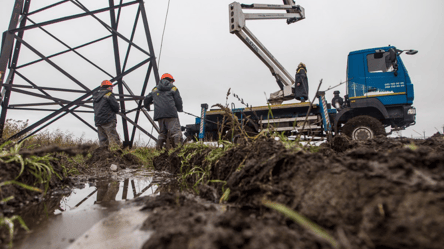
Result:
105,109
167,102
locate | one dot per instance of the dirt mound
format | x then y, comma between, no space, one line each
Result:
183,222
166,162
382,197
382,193
102,157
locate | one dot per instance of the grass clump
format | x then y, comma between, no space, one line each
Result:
8,222
146,155
38,166
197,160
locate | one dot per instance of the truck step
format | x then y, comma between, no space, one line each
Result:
279,120
307,127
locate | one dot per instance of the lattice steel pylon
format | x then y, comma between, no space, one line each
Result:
59,45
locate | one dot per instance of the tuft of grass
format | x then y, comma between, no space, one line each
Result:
9,224
18,184
39,166
187,170
315,229
9,221
146,155
411,146
225,196
200,174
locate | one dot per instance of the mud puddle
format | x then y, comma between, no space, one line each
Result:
70,214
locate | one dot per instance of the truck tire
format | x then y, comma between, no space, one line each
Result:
363,127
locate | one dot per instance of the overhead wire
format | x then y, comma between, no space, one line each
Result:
163,33
160,52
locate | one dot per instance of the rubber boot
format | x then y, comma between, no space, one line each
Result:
160,144
176,141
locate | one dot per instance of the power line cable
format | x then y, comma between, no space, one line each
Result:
163,33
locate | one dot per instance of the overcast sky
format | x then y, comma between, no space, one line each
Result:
206,60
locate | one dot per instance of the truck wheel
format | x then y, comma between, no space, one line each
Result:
363,128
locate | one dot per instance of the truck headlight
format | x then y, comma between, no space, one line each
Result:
411,111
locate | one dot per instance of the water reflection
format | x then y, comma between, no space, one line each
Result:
57,221
107,190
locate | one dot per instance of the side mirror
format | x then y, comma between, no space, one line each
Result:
411,52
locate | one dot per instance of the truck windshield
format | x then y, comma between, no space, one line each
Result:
377,63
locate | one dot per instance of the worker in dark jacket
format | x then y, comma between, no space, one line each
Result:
105,109
167,102
301,87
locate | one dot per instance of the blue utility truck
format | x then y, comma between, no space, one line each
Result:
379,94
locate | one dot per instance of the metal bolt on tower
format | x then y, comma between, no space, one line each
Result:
66,49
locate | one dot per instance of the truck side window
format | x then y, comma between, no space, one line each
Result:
377,63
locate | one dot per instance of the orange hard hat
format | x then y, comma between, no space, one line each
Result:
106,83
167,75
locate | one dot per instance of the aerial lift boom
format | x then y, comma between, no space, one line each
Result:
237,26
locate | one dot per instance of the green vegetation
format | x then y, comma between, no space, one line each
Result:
195,170
39,166
9,224
145,154
198,171
43,138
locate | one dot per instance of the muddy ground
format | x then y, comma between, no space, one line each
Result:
382,193
32,203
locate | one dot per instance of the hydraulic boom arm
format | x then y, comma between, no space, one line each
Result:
237,26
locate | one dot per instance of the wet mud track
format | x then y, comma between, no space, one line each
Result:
382,193
85,211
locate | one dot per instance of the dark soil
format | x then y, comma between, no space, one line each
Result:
183,222
381,193
102,157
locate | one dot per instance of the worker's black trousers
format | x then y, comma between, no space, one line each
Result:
171,126
108,133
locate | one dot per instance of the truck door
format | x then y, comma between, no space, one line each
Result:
381,80
356,87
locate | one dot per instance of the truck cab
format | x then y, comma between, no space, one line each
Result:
371,74
378,86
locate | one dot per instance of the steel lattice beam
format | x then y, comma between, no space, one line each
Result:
14,40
